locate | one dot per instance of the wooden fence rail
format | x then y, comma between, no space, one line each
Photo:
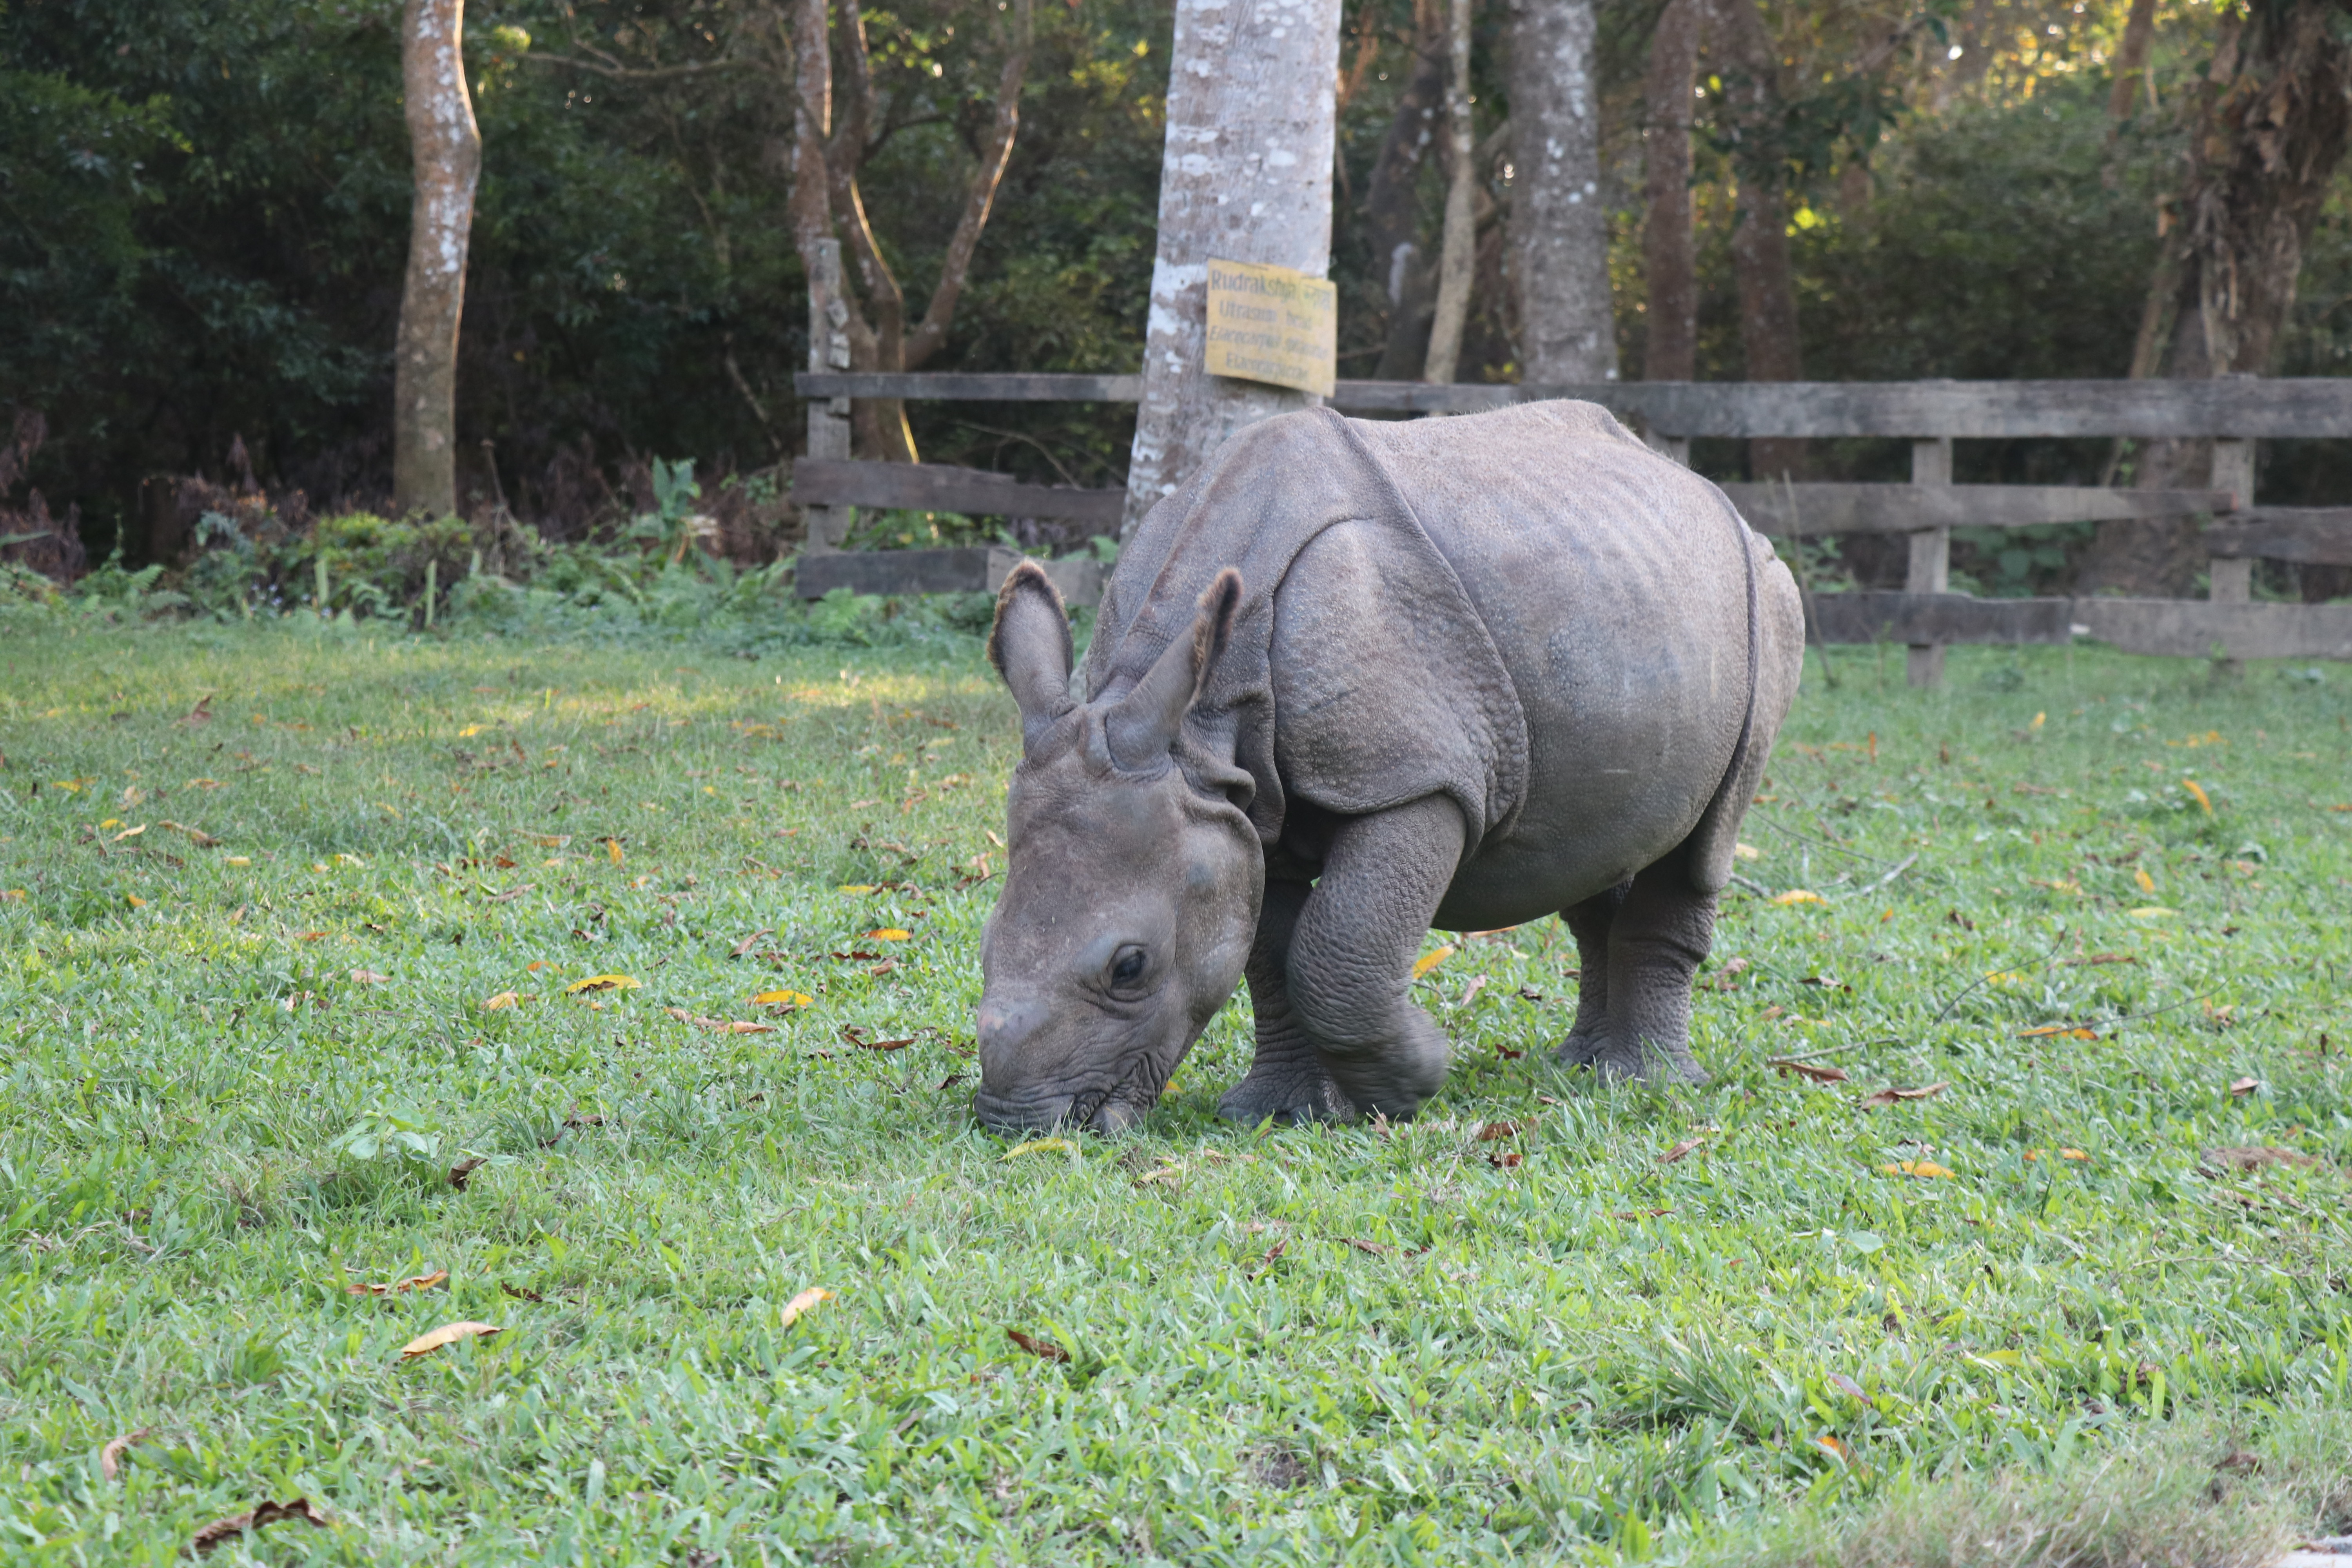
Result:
2231,411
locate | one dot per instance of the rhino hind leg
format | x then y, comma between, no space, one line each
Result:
1658,937
1589,924
1286,1081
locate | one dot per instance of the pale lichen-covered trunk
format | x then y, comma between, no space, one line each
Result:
1559,224
447,150
1245,177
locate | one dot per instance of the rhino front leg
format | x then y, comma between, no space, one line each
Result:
1353,950
1286,1080
1661,934
1589,922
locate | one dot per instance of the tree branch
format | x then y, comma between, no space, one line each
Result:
640,73
927,338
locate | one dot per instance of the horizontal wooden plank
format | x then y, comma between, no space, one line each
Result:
1901,508
965,570
2245,407
956,386
2315,536
939,487
1936,618
2191,627
957,571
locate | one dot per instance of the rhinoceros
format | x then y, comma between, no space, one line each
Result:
1353,680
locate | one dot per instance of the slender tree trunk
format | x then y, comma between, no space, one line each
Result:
1392,199
1245,177
1759,237
447,150
2268,128
1669,252
1457,254
2131,58
1559,224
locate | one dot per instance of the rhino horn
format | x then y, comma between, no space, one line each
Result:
1142,725
1030,645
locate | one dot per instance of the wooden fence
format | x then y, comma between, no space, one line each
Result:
2235,412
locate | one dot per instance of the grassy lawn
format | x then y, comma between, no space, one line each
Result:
262,887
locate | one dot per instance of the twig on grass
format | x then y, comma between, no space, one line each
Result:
1890,876
1941,1013
1825,843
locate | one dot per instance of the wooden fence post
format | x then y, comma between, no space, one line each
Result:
1931,556
828,418
2233,582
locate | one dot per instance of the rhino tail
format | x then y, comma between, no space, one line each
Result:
1776,620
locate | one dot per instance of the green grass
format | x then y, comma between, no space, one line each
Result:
1351,1344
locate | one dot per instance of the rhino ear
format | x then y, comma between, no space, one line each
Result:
1030,645
1142,725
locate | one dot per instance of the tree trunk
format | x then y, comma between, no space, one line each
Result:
2267,128
1759,235
1459,249
1392,199
1245,177
1669,253
446,152
2131,58
1559,224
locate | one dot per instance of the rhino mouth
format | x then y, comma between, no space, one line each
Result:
1108,1109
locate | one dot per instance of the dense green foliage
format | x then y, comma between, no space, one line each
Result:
257,890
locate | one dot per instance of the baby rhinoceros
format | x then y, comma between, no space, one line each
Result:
1351,682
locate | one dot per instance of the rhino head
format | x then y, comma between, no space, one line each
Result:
1132,882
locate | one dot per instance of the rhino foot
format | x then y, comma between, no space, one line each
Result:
1615,1060
1290,1095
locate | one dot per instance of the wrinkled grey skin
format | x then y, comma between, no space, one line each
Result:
1294,788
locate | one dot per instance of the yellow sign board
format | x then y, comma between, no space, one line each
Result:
1271,324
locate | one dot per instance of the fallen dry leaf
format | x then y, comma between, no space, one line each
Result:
1431,959
889,934
600,983
1041,1146
724,1025
446,1335
1506,1159
2243,1086
748,943
1800,896
782,999
612,849
439,1276
1834,1446
1044,1349
1806,1069
1272,1255
1922,1168
1491,1131
503,999
370,977
2255,1157
1378,1249
1643,1213
212,1536
521,1294
463,1171
2062,1154
1679,1150
511,894
2070,1031
807,1301
1889,1096
196,836
110,1459
1848,1387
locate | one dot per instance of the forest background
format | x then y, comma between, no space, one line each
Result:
204,210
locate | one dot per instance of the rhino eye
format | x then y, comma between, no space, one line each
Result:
1127,966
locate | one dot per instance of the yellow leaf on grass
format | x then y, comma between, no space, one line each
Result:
2150,913
503,999
550,841
2039,719
368,977
1041,1146
600,983
1747,852
446,1335
891,934
2202,799
1429,961
134,900
613,848
12,895
800,1305
1800,896
470,730
239,860
859,887
2147,883
1928,1168
2062,1154
782,999
432,1281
